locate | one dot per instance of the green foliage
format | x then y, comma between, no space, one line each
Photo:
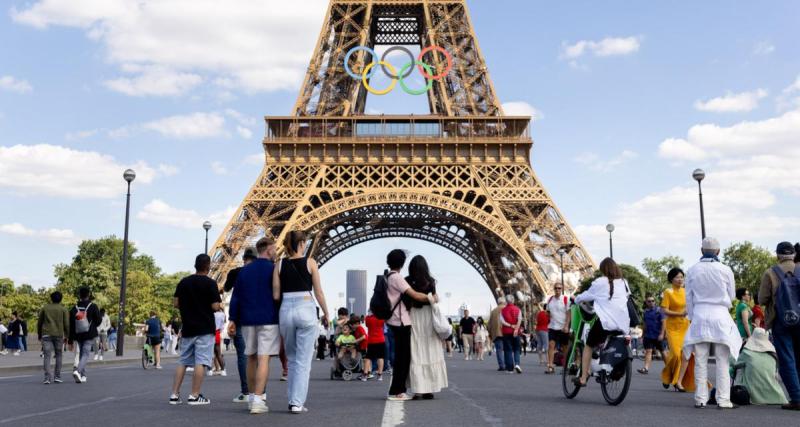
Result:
656,271
24,300
6,286
748,262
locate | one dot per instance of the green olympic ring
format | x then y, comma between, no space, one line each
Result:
419,91
425,69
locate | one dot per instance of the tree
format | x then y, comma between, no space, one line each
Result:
637,282
656,271
6,286
748,262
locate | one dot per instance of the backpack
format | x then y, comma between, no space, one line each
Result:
81,319
787,298
379,304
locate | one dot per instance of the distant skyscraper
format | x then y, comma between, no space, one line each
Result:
357,289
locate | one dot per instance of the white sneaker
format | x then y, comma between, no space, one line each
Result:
259,406
77,376
210,373
297,409
96,356
199,400
223,373
83,378
157,366
190,369
399,397
518,369
101,357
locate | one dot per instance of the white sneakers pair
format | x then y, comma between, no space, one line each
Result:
78,377
257,404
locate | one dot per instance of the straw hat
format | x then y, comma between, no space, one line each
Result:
759,342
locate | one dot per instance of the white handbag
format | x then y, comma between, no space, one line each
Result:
440,323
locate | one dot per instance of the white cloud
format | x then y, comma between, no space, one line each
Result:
54,235
218,168
763,48
186,126
253,46
594,162
159,212
254,159
732,102
83,134
168,170
11,84
790,97
155,81
522,108
244,132
609,46
53,170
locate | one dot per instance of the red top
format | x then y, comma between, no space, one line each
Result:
542,320
360,332
375,330
510,314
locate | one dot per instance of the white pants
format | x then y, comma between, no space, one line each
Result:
723,379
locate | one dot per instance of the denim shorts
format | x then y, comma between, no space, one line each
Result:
197,350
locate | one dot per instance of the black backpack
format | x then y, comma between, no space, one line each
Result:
379,304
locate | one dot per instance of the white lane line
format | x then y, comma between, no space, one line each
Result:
15,376
393,413
71,407
488,417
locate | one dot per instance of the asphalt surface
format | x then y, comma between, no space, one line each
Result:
127,395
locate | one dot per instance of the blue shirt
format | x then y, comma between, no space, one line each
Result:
652,322
153,327
251,302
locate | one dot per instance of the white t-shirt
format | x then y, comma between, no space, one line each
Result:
558,311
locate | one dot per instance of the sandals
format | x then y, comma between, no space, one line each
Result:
679,388
643,371
550,370
578,383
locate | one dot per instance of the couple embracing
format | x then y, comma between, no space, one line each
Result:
419,361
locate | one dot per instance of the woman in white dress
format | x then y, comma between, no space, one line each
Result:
428,372
481,337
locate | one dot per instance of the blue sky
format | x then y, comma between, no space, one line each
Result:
629,98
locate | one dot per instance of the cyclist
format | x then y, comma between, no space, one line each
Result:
153,329
609,293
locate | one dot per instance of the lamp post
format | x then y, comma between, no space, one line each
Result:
206,226
352,301
698,176
561,253
610,228
129,175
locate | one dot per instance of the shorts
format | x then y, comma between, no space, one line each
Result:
653,343
541,341
217,337
154,341
559,336
376,351
197,350
263,340
597,335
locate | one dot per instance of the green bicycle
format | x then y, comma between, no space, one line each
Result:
148,354
611,364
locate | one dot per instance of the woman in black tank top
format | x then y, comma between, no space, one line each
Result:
294,275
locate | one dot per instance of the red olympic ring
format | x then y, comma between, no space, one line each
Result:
446,55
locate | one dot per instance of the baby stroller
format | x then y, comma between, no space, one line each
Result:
346,367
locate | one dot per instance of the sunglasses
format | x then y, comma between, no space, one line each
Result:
558,289
651,300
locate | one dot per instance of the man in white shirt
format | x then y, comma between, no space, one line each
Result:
558,329
710,291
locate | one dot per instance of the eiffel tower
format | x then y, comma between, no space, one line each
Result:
459,177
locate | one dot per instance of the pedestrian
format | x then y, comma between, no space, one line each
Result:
196,297
152,329
253,309
467,324
53,330
296,283
102,334
743,314
14,338
376,344
322,339
400,323
542,323
636,338
249,256
756,368
428,371
219,358
710,291
360,333
112,336
448,343
678,369
83,321
24,338
609,293
558,307
511,319
778,295
481,337
167,343
3,333
653,325
496,333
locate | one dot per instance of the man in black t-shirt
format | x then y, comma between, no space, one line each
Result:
467,334
197,298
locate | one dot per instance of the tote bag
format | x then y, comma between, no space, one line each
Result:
440,323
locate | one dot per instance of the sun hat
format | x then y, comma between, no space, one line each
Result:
759,342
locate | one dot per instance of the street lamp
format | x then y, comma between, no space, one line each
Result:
698,176
610,228
129,175
561,253
207,226
352,301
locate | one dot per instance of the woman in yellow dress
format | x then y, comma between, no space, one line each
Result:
678,370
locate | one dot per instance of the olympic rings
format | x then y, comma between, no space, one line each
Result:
425,69
364,78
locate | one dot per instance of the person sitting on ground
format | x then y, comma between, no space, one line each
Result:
346,342
756,369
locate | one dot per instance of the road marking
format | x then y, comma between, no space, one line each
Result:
71,407
489,418
393,413
16,376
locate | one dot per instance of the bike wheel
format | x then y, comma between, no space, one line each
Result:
571,371
614,391
145,359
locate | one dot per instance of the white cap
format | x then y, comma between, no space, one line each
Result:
710,243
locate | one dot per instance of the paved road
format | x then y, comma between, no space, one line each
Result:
126,395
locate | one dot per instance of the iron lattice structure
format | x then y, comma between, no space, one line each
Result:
460,177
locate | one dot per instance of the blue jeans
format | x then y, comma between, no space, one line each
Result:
389,336
85,348
241,360
787,345
498,352
511,348
298,326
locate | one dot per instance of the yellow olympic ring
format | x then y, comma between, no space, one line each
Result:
365,74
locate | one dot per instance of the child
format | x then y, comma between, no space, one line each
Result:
360,333
346,342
